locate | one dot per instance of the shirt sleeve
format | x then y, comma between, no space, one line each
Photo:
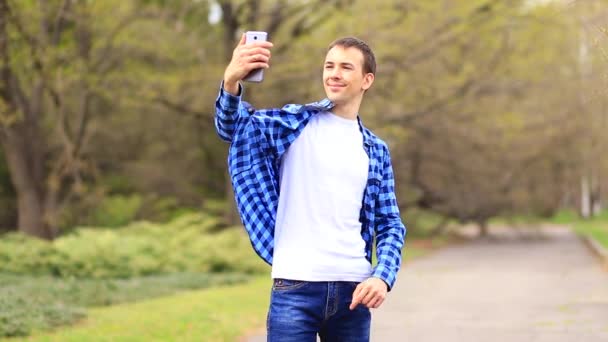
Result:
390,230
227,112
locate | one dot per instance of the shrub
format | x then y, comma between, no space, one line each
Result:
186,244
116,210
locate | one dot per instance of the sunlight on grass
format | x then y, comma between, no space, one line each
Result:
219,314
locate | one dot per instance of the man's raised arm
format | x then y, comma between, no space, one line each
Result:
245,58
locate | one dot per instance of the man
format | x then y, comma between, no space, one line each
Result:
314,187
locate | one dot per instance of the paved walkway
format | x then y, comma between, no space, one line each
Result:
531,286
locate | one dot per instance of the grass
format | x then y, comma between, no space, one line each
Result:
595,228
30,303
216,314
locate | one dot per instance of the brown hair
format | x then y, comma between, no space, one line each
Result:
369,60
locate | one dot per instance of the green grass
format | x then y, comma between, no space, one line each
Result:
595,228
30,303
216,314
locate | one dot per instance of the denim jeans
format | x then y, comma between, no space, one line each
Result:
299,310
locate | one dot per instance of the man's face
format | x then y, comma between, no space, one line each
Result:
343,76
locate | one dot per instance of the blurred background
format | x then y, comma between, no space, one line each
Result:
113,182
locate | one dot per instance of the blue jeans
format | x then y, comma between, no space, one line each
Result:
299,310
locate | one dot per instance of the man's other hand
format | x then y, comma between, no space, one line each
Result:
370,293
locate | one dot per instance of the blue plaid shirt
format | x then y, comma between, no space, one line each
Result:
259,138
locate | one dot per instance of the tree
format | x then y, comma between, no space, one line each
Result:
53,68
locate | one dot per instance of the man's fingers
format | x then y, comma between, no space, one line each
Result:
376,303
257,45
258,58
356,297
368,297
263,44
260,65
255,51
357,292
243,39
372,302
377,300
354,304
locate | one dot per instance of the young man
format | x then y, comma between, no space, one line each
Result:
314,188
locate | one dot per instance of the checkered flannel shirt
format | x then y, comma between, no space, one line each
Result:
258,139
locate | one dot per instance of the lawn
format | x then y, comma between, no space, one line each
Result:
595,230
222,313
596,227
218,314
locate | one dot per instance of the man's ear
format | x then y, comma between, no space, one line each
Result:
368,80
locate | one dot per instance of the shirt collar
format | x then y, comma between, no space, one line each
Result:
327,105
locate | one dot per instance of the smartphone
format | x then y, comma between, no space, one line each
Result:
255,75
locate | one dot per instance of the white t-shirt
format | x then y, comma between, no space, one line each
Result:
323,177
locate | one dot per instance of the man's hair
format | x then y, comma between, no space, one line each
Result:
369,60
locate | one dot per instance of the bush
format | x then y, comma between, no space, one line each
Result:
420,222
186,244
116,210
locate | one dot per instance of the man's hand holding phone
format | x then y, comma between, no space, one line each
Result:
246,57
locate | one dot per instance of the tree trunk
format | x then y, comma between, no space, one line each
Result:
22,140
28,184
585,197
483,229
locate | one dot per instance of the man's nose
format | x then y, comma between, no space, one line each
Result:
336,73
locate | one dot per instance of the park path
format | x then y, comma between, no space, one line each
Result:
526,285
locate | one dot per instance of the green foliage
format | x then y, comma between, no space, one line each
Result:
117,210
37,303
419,222
186,244
215,206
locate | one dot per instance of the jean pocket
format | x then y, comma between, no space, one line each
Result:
287,284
